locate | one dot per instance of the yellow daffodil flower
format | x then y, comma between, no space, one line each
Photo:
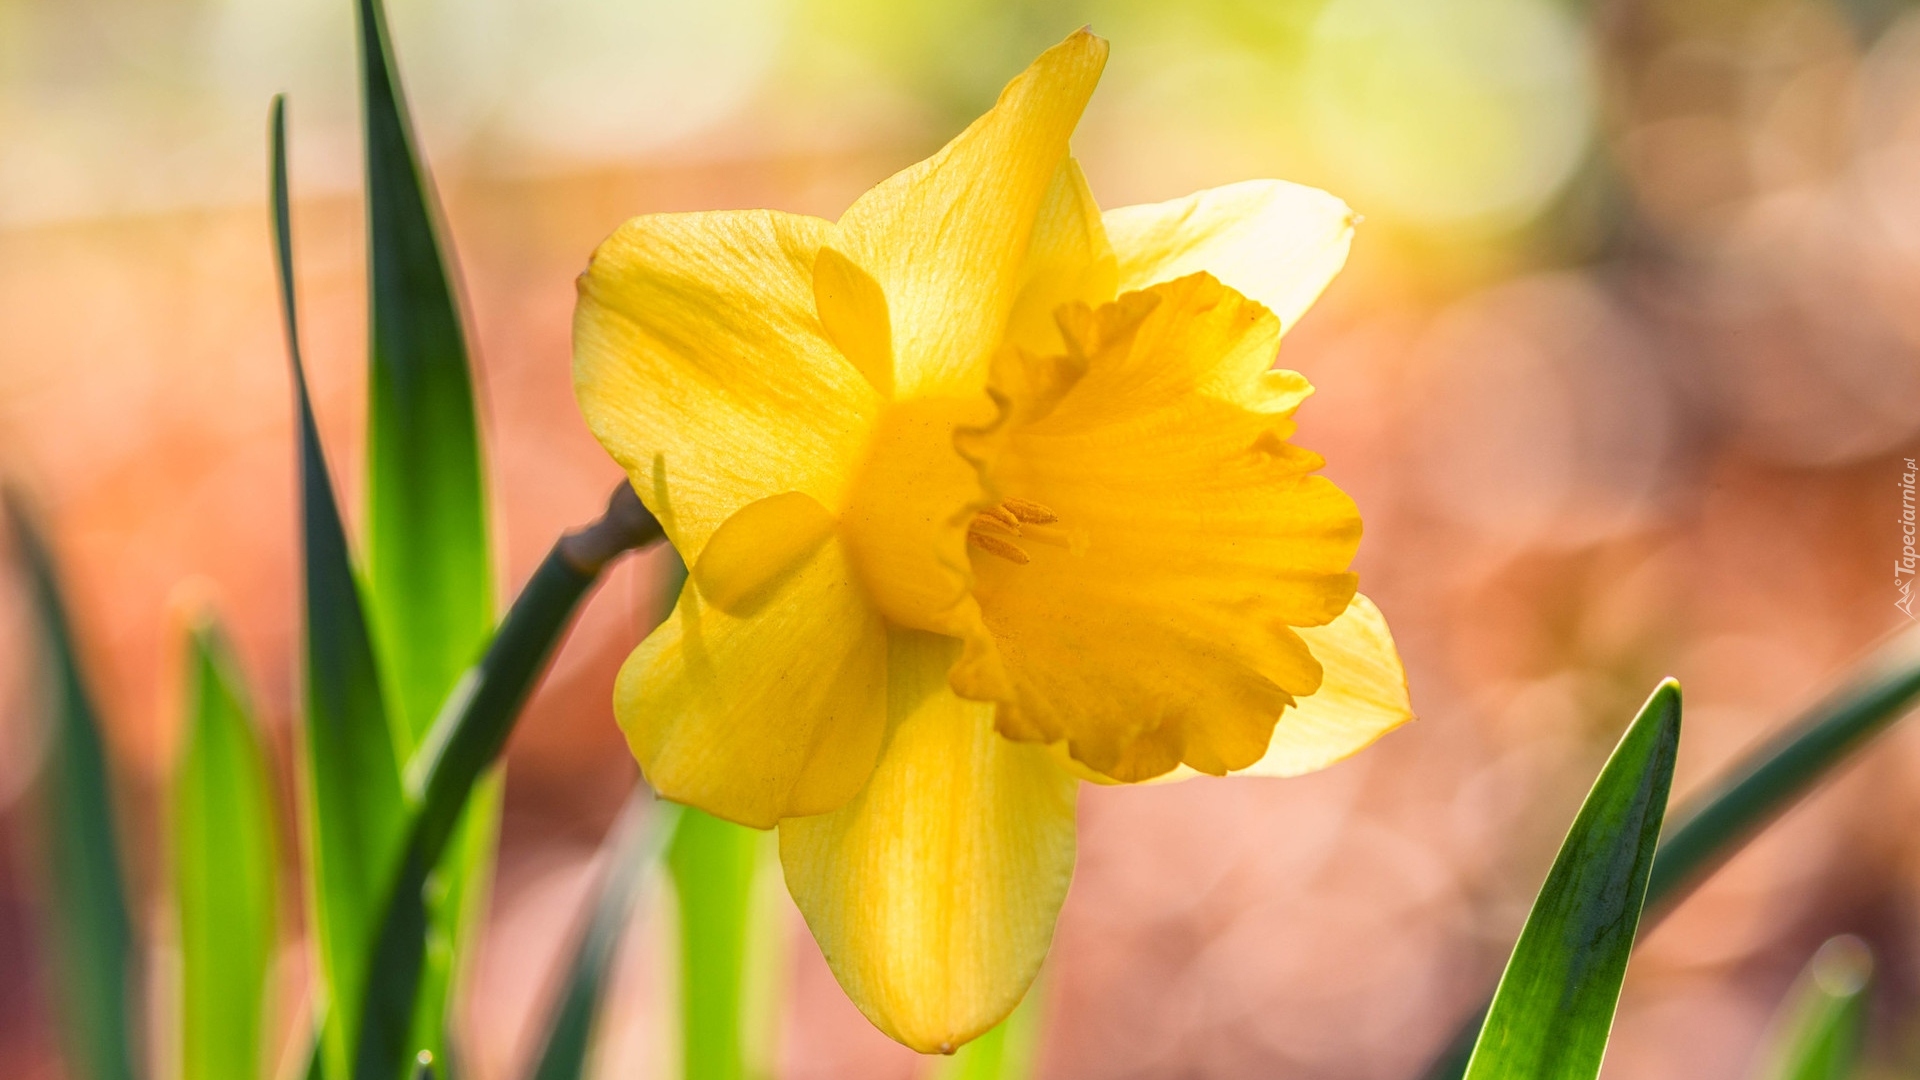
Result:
985,492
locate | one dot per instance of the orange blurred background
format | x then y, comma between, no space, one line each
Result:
1622,374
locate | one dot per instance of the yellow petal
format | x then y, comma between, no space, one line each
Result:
1068,259
853,311
700,365
754,550
1362,697
934,893
1154,622
946,238
1275,242
758,717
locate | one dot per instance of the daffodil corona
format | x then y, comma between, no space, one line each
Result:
985,492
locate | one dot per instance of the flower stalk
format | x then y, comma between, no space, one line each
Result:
466,738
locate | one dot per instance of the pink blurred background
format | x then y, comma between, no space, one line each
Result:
1622,373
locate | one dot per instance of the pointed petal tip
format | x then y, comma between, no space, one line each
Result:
723,812
946,1040
1081,40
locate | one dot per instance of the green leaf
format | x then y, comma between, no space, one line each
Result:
644,828
429,567
461,746
1007,1051
714,864
93,938
225,869
1823,1022
1554,1008
429,562
1710,827
353,808
1714,824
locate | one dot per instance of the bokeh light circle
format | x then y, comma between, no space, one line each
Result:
1449,112
609,78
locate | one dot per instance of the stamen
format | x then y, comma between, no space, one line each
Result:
994,545
993,530
1005,516
1028,511
991,524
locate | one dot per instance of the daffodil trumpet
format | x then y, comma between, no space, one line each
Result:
985,492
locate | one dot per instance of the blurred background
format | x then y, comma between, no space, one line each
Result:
1622,373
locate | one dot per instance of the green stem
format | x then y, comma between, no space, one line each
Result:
465,740
479,714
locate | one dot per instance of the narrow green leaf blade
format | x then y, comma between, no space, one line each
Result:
714,863
1823,1022
644,829
1715,824
1554,1009
428,554
225,869
429,566
353,807
93,937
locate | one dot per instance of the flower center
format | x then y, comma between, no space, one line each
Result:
994,530
902,518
